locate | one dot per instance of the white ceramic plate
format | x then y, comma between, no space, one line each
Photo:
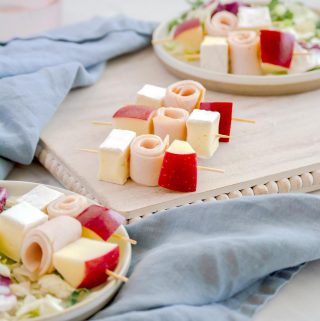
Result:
97,299
236,84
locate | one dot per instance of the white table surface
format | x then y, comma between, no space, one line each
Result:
298,300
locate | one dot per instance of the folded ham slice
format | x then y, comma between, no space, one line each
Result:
221,23
69,205
171,121
185,94
147,152
244,53
41,242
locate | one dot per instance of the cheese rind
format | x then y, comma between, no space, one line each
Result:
203,127
114,155
40,197
150,95
254,18
14,224
214,54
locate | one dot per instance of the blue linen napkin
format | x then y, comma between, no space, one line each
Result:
220,261
37,73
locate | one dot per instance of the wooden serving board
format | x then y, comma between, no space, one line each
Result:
284,142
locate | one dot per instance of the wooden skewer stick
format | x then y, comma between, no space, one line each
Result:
160,41
117,276
89,150
196,56
244,120
210,169
223,136
102,123
123,238
202,168
302,53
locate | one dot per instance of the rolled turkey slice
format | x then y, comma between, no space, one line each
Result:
171,121
147,152
185,94
42,242
69,205
221,23
244,52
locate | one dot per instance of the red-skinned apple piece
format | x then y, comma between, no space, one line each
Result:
179,168
225,110
135,111
186,25
136,118
277,49
189,33
84,263
96,269
101,221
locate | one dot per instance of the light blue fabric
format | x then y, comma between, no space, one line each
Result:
36,74
220,261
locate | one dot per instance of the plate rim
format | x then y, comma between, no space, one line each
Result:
230,79
105,293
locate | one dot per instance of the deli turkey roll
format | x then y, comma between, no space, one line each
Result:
42,242
185,94
147,152
171,121
244,52
221,23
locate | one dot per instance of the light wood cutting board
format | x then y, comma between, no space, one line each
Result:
284,142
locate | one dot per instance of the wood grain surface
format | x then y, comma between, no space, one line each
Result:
284,142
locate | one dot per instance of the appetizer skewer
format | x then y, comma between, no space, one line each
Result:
67,245
138,145
204,168
235,32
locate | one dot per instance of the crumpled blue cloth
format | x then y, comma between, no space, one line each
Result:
220,261
37,73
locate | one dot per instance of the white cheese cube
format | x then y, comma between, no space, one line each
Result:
40,197
202,128
150,95
214,54
114,155
254,18
14,224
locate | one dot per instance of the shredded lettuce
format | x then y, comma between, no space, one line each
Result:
77,296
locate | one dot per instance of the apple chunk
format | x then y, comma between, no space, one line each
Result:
83,264
136,118
225,111
189,34
179,168
277,50
99,222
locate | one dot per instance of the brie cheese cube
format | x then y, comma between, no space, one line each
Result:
214,54
40,197
202,129
150,95
254,18
114,155
14,224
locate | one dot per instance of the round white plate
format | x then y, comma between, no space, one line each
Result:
98,298
236,84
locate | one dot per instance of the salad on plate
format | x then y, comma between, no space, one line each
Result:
55,250
253,37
